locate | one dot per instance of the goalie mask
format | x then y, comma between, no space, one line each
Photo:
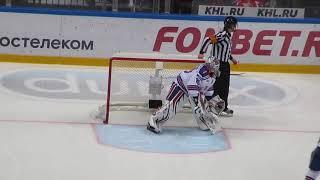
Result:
213,65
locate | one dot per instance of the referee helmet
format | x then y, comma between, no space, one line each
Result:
230,21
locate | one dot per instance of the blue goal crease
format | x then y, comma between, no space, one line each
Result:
171,140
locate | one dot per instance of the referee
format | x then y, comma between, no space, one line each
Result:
221,49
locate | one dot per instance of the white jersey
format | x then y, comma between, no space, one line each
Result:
196,81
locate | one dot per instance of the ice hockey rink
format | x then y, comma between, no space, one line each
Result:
46,130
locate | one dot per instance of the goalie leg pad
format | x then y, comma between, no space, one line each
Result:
175,100
208,121
205,120
315,160
201,123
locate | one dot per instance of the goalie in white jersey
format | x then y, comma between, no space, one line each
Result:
195,86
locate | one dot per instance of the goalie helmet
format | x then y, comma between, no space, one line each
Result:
213,65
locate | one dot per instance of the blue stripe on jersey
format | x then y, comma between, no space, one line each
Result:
180,83
193,87
171,90
174,93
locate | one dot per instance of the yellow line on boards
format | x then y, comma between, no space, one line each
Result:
54,60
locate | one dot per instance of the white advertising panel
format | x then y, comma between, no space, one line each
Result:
88,36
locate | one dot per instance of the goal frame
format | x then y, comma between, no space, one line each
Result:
155,57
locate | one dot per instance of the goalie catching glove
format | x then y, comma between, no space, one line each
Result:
215,105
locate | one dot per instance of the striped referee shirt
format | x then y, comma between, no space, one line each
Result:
221,46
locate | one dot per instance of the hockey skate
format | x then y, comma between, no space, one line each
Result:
227,112
153,125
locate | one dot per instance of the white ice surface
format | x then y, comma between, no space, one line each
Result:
270,143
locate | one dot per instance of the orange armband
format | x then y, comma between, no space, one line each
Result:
213,39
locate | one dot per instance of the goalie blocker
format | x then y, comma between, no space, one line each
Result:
195,86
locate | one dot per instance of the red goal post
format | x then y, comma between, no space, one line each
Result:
135,78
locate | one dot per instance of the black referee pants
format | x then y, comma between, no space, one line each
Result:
221,86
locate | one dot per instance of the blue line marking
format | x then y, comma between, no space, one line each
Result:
153,15
178,140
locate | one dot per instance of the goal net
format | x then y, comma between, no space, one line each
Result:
139,82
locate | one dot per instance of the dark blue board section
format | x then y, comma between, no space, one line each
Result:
153,15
